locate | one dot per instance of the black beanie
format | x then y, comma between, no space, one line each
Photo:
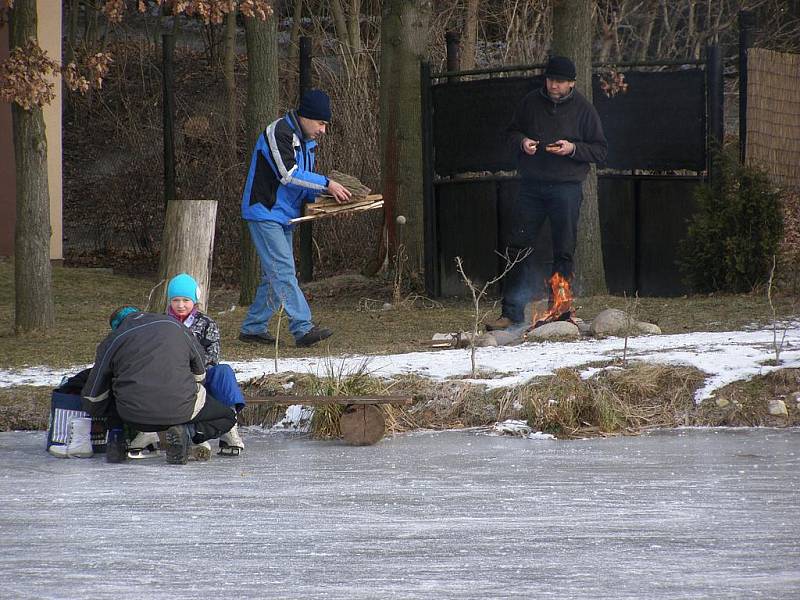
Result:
560,67
315,105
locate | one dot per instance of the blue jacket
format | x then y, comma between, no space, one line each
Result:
281,176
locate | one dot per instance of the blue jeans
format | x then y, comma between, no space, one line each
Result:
221,383
278,285
538,201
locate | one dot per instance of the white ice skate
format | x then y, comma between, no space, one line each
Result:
144,445
230,443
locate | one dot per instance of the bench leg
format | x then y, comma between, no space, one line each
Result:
362,424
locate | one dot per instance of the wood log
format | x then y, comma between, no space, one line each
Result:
362,424
326,400
187,247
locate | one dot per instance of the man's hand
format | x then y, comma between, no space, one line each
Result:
338,191
561,148
529,146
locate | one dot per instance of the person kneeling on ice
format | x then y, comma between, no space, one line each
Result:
148,373
184,294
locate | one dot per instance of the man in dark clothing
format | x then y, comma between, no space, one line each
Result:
148,373
556,133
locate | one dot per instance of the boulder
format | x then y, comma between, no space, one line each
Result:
777,408
611,321
556,330
485,340
506,338
648,328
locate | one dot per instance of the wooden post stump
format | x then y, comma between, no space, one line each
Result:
187,247
362,424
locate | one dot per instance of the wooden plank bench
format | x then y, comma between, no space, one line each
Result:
361,423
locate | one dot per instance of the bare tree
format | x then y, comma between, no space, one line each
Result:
479,293
470,37
404,31
572,36
33,281
260,110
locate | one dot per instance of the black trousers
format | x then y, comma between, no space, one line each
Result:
560,203
212,421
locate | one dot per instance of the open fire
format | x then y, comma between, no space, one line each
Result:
561,307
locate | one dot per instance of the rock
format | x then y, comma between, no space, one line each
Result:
556,329
485,340
512,427
722,402
648,328
611,322
778,408
505,338
582,326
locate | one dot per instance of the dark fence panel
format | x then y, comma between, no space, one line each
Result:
664,207
642,220
660,124
469,123
467,227
616,203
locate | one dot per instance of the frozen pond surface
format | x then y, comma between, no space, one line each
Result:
678,514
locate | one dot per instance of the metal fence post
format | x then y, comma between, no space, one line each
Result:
168,104
305,231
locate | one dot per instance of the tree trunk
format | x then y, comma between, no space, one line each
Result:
260,111
470,37
187,247
294,36
572,36
404,29
229,75
33,278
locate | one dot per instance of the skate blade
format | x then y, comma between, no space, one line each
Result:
229,451
143,454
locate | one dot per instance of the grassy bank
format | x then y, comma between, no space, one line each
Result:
621,401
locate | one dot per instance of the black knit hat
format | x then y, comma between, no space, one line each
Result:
315,105
560,67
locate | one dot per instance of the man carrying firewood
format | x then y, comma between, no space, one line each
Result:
280,180
556,133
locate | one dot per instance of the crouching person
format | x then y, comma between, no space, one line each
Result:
148,373
184,294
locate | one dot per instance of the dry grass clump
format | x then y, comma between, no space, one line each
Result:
746,403
337,381
612,402
24,408
440,405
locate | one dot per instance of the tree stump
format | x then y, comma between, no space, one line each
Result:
187,247
362,424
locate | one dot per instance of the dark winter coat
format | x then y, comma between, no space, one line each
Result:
152,366
281,176
573,118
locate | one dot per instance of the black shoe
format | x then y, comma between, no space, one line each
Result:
257,338
177,442
314,335
116,446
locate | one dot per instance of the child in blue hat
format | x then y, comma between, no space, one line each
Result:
184,295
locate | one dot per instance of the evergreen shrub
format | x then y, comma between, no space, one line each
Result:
735,231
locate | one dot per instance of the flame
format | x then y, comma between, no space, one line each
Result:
562,300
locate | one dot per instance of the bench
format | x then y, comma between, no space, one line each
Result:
361,423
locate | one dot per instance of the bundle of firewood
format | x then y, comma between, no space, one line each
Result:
353,185
327,205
